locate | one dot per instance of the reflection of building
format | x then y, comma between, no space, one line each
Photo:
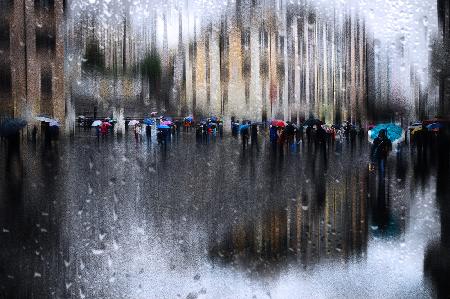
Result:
278,63
255,61
305,228
32,58
444,80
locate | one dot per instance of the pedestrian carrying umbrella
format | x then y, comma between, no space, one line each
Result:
11,126
278,123
149,121
394,132
435,126
96,123
133,122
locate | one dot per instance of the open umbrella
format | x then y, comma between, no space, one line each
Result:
435,126
162,127
96,123
11,126
149,121
133,122
243,127
394,132
167,123
54,123
189,118
415,126
44,118
278,123
313,122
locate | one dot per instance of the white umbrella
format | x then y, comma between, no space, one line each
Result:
96,123
44,118
133,122
54,123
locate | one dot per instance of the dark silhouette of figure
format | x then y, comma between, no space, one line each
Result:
380,151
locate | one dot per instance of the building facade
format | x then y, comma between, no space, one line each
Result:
32,58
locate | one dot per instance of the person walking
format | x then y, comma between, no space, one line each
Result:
137,132
380,151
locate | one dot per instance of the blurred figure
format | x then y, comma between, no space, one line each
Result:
380,150
148,132
137,132
34,134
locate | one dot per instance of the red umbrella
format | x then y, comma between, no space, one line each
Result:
278,123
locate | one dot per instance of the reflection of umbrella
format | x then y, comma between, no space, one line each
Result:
149,121
166,123
435,126
278,123
96,123
133,122
161,127
11,126
44,118
394,132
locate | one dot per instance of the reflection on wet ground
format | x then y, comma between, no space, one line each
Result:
116,219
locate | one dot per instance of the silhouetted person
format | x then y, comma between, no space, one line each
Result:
254,134
380,151
34,134
148,132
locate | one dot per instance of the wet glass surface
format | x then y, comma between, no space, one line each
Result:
205,218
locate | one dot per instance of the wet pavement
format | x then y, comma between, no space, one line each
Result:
207,219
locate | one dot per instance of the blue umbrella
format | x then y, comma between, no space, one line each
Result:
213,119
394,132
211,125
11,126
161,127
149,121
435,126
189,118
243,127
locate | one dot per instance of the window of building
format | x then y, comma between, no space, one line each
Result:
4,36
6,6
45,40
46,84
44,5
5,79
